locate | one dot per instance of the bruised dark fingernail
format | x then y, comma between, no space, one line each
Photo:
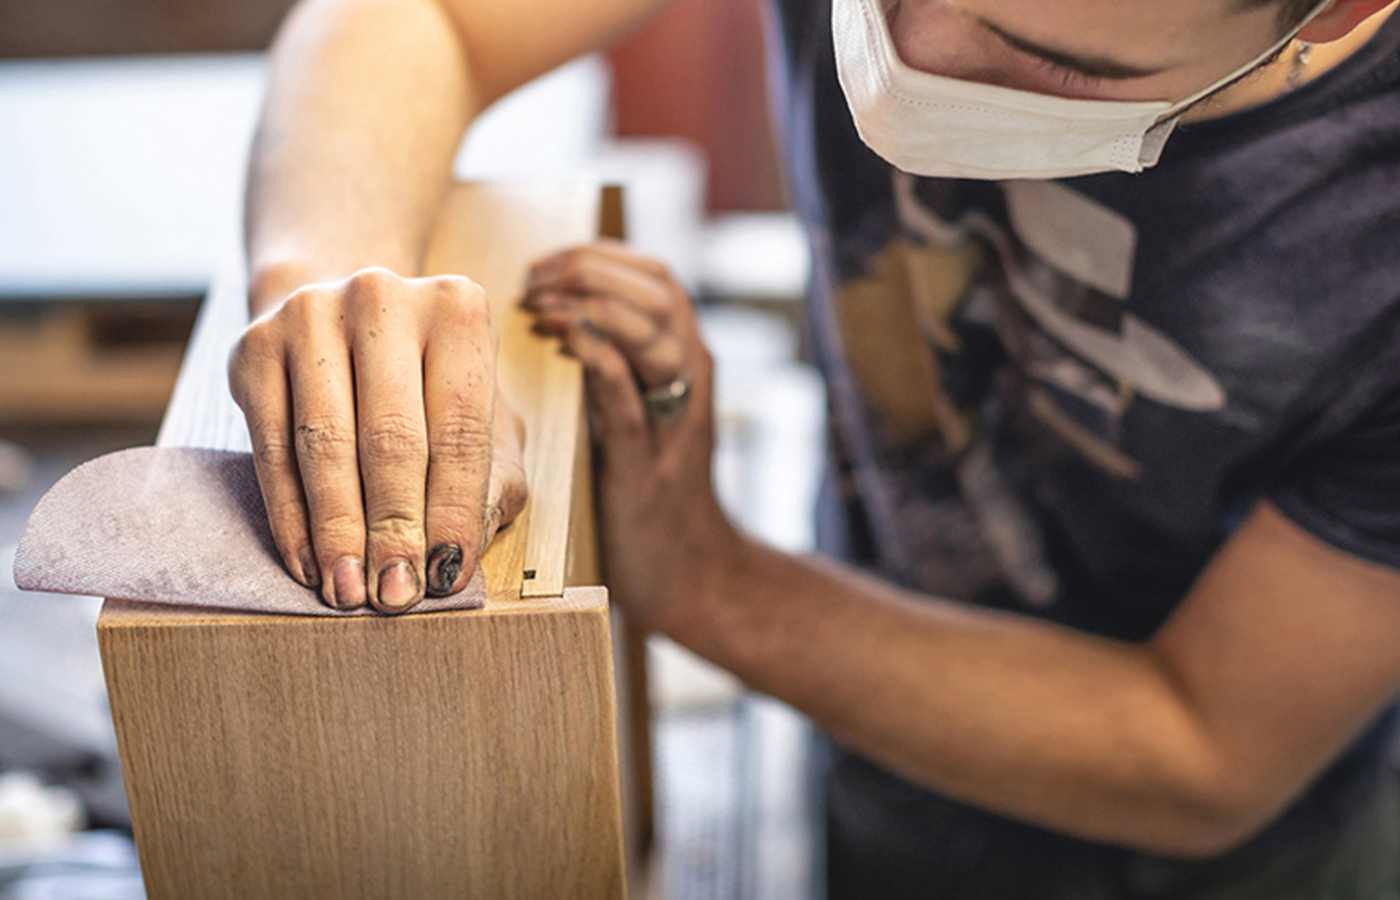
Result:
398,585
348,580
444,565
309,570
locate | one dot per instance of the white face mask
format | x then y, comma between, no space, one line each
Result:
943,127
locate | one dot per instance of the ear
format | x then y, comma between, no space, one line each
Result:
1338,20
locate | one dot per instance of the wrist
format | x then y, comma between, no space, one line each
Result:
272,283
711,585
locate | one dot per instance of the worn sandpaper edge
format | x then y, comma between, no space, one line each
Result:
28,576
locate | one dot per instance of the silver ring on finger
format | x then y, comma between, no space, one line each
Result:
667,400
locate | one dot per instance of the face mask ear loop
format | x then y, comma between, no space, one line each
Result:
1175,113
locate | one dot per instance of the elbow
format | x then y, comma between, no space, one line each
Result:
1215,819
1206,840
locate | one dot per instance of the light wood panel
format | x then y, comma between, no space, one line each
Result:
434,756
493,233
466,754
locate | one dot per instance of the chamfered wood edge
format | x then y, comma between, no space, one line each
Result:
119,613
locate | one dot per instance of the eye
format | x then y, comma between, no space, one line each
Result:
1067,76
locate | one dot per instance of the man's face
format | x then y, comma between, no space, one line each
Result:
1096,49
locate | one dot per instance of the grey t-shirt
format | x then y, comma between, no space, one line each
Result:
1061,397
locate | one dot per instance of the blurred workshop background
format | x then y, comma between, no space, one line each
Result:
124,130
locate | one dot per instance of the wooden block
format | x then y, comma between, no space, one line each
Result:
447,755
465,754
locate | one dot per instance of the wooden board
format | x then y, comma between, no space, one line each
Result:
451,755
469,754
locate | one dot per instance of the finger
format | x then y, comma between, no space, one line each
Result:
613,395
508,492
323,403
620,252
585,272
459,392
259,384
393,447
657,355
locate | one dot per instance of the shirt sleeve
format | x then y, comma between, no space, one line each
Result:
1346,490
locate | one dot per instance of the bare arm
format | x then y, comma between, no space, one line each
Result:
385,458
367,103
1185,745
1280,654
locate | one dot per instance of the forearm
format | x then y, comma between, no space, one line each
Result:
367,104
1072,732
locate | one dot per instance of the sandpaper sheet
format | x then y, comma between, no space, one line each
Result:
173,525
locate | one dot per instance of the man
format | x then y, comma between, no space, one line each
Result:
1147,426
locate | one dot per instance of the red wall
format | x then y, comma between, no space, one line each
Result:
697,72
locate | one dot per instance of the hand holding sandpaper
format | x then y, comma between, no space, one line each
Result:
386,456
173,525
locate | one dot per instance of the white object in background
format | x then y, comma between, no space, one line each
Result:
124,176
679,679
34,817
663,201
771,414
755,255
556,123
93,865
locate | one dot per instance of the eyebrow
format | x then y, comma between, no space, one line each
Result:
1089,66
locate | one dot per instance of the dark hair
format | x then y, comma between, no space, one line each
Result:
1290,12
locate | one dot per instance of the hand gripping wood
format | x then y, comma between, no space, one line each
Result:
447,755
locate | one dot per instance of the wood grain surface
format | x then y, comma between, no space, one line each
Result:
435,756
464,754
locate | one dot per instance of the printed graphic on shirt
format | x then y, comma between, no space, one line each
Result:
1066,267
1073,359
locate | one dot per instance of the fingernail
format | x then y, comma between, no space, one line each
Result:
309,570
444,565
349,578
398,585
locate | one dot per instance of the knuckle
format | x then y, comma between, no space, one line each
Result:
614,369
392,436
261,341
396,530
573,256
463,435
324,441
339,531
302,303
514,492
288,521
576,269
458,287
463,307
373,280
668,356
274,455
365,293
